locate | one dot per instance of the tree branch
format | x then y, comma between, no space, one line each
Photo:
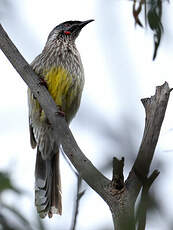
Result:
61,130
119,196
143,205
155,108
79,195
123,209
118,177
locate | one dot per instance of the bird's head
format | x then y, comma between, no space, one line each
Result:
67,31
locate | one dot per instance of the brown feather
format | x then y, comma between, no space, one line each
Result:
47,186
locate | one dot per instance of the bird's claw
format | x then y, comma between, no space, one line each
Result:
60,111
43,82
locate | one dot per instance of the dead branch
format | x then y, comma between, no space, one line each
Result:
119,196
143,205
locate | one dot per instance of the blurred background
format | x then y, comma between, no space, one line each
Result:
119,71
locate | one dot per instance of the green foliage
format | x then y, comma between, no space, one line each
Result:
153,18
5,183
7,211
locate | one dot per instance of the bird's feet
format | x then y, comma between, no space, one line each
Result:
60,111
43,82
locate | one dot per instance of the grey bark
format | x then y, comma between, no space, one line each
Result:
119,195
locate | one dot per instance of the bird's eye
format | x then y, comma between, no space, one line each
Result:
67,32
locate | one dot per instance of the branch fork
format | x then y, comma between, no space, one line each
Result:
120,195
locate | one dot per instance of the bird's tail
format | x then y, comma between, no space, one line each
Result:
47,186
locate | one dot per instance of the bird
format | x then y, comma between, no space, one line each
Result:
60,68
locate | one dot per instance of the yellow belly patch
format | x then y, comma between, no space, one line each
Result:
58,81
64,89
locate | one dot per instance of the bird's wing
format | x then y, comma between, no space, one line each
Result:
30,105
32,138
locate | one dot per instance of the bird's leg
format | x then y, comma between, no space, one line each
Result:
43,82
60,111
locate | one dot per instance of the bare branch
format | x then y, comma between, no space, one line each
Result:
79,195
155,108
142,209
118,177
119,196
61,130
124,203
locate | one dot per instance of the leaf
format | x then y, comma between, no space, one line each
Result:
154,20
136,12
5,183
153,15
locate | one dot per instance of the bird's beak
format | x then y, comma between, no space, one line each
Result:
78,26
84,23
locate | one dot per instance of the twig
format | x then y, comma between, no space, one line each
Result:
121,204
61,131
78,193
118,177
78,197
142,209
